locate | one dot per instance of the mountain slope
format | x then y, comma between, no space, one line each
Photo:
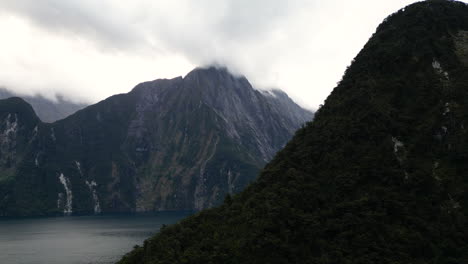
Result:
49,111
378,177
179,144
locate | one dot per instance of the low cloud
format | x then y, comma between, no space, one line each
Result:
87,50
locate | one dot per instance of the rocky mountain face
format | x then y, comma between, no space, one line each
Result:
378,177
48,111
179,144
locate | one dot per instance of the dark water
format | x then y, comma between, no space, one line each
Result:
77,240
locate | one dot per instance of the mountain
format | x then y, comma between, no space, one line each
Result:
378,177
178,144
49,111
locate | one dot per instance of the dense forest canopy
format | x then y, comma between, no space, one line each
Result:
378,177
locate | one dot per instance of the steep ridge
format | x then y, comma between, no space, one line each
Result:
47,110
378,177
179,144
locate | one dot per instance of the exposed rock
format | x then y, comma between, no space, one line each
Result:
178,144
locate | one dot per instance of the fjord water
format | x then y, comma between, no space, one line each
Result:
77,239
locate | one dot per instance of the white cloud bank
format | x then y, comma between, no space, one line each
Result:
87,50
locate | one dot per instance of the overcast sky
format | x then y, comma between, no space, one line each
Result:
88,50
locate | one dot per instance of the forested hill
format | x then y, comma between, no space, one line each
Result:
378,177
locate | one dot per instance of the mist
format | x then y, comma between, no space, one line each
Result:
87,50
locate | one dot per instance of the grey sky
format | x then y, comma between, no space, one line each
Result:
90,49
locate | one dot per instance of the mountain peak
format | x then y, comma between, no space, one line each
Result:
377,177
17,105
169,144
46,109
211,68
214,72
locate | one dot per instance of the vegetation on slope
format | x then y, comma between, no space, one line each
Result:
378,177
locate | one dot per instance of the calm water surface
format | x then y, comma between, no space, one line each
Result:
77,239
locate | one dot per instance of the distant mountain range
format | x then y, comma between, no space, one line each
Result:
379,176
178,144
47,110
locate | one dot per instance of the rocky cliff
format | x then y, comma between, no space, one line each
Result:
379,176
178,144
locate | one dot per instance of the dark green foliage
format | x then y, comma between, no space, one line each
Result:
378,177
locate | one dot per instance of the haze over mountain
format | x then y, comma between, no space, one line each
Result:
46,109
75,49
379,176
169,144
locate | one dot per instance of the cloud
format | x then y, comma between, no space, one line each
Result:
90,49
96,20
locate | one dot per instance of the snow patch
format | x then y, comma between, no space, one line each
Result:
67,206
